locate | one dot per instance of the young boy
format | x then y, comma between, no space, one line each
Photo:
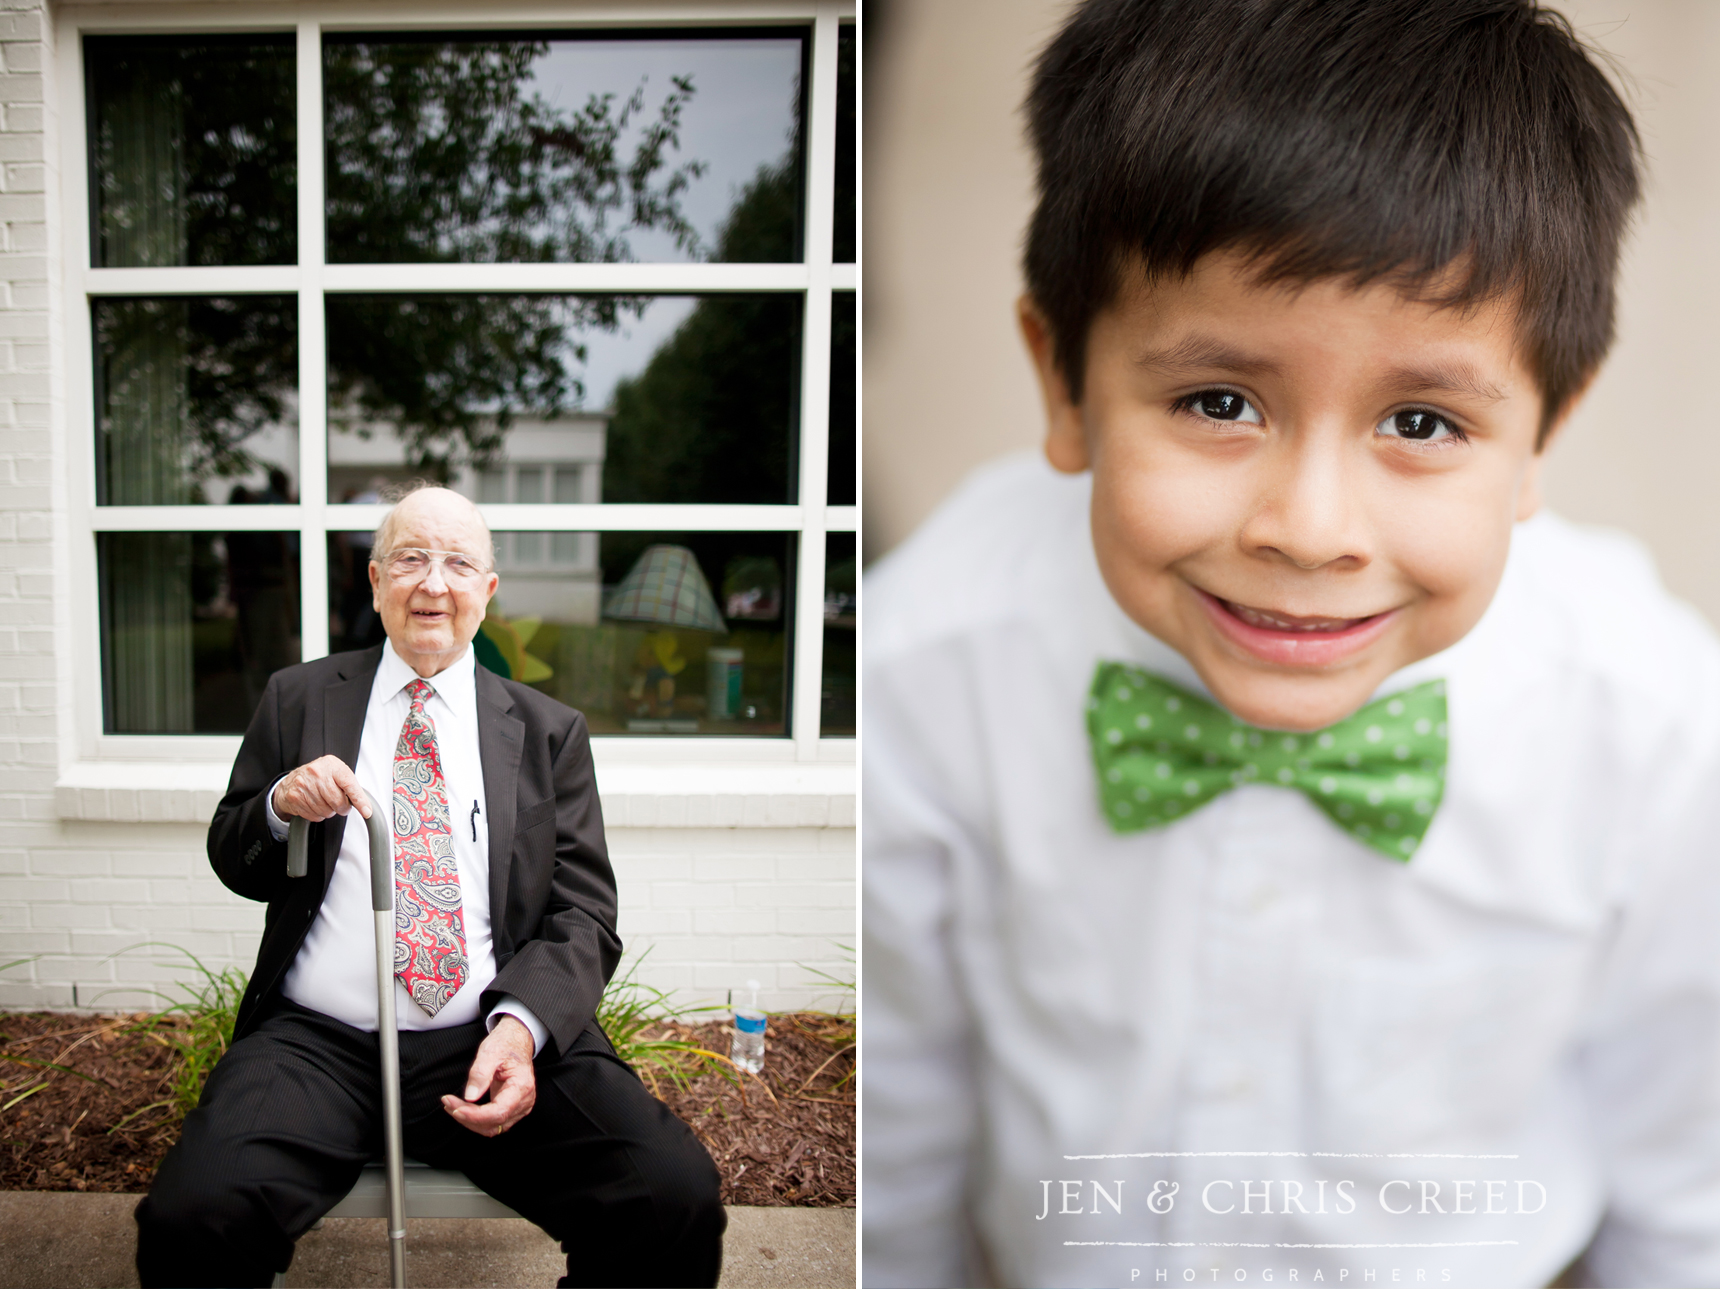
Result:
1288,858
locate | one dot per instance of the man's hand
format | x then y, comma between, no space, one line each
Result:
503,1068
316,791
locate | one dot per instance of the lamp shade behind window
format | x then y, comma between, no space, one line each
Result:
666,588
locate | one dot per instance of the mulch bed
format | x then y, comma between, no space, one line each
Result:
784,1137
59,1132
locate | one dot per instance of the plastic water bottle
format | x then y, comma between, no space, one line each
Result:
747,1050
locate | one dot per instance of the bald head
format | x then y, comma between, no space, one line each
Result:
441,506
432,612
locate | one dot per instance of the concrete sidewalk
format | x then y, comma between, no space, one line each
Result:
55,1240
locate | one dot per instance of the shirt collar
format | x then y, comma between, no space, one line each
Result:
456,684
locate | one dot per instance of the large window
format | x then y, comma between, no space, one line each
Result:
600,281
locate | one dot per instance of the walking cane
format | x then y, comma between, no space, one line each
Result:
387,1036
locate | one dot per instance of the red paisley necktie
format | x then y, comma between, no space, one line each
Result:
430,932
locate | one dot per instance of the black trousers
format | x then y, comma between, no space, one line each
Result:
292,1112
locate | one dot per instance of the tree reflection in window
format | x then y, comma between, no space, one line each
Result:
490,150
193,144
187,388
452,149
715,414
711,416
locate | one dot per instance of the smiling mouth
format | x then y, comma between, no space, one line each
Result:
1267,620
1292,640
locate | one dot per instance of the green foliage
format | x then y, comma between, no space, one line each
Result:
715,414
845,989
437,152
630,1009
205,126
240,363
846,992
451,371
199,1029
193,163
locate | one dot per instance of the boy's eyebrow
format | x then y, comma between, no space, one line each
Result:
1203,353
1206,353
1444,378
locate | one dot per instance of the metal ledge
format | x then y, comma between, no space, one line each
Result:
430,1192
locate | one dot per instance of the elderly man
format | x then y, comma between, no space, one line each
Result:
505,906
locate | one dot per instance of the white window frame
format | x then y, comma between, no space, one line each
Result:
92,758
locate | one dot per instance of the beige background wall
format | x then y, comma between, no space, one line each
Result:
948,189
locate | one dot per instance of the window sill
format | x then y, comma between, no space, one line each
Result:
636,793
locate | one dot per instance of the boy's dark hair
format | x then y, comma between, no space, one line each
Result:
1463,150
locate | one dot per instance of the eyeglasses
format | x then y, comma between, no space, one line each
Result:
412,564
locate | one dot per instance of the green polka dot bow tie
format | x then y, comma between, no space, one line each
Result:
1163,752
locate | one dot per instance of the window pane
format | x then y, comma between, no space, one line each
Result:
556,147
841,632
646,633
570,485
652,399
843,248
844,458
193,624
528,491
192,150
196,400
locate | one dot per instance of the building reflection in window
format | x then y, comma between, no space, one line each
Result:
678,399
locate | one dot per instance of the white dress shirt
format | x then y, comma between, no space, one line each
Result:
1541,984
335,970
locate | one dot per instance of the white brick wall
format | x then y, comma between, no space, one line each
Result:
721,906
30,481
717,905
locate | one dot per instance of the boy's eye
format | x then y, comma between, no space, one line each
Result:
1419,425
1222,405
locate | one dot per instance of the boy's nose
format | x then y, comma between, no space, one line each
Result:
1305,511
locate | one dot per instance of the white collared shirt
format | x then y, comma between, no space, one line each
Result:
335,970
1254,1005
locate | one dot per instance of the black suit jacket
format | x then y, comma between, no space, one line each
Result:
552,892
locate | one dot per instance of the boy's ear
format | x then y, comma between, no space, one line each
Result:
1065,436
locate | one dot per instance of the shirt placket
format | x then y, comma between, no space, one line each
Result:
1241,1080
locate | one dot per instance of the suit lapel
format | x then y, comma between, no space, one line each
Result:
344,703
501,737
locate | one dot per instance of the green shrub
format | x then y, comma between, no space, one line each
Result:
630,1009
198,1029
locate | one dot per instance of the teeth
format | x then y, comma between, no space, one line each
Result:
1277,622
